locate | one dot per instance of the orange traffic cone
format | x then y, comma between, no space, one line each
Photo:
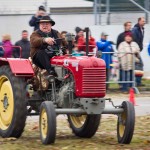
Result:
132,97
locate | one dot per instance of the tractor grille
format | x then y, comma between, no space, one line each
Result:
93,80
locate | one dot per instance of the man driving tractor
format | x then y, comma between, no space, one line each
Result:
43,44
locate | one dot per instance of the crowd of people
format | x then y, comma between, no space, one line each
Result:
129,44
41,45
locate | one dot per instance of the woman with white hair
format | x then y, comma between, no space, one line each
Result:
7,46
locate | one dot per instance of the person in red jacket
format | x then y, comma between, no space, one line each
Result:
82,43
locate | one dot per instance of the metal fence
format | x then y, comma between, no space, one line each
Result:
120,69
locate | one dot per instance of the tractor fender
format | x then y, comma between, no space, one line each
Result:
18,66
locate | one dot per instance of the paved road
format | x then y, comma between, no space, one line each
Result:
142,106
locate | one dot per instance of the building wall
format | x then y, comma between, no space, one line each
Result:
14,24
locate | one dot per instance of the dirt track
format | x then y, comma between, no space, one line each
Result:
105,137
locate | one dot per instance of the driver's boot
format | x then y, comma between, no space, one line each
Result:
51,75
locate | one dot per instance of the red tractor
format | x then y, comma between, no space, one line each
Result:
77,90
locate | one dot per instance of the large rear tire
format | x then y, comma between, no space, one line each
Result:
13,109
84,125
47,123
125,124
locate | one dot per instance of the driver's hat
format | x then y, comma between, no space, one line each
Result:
46,19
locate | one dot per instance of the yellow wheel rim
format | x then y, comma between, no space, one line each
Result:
78,121
6,103
44,123
122,124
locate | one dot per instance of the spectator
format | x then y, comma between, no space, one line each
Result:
121,37
63,36
138,32
1,50
34,20
79,33
138,71
126,50
7,45
127,28
82,43
104,45
64,45
24,44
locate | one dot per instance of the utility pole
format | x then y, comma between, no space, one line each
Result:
147,7
95,11
108,11
147,12
100,11
46,6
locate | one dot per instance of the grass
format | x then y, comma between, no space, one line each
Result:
146,82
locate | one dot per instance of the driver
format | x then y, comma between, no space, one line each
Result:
43,45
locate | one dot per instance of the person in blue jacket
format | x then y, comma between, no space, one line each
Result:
148,48
105,47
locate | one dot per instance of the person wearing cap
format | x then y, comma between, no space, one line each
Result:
43,45
35,18
128,50
103,45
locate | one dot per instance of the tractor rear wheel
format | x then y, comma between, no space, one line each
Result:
125,124
13,109
84,125
47,122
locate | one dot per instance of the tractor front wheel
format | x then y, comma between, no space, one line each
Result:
47,123
13,108
84,125
125,124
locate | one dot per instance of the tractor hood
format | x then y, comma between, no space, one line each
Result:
77,62
89,74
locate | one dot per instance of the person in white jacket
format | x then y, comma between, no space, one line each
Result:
129,53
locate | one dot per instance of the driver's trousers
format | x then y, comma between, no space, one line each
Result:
42,60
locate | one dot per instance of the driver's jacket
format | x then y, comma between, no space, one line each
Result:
36,40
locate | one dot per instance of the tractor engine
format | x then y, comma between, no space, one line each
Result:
81,77
66,95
